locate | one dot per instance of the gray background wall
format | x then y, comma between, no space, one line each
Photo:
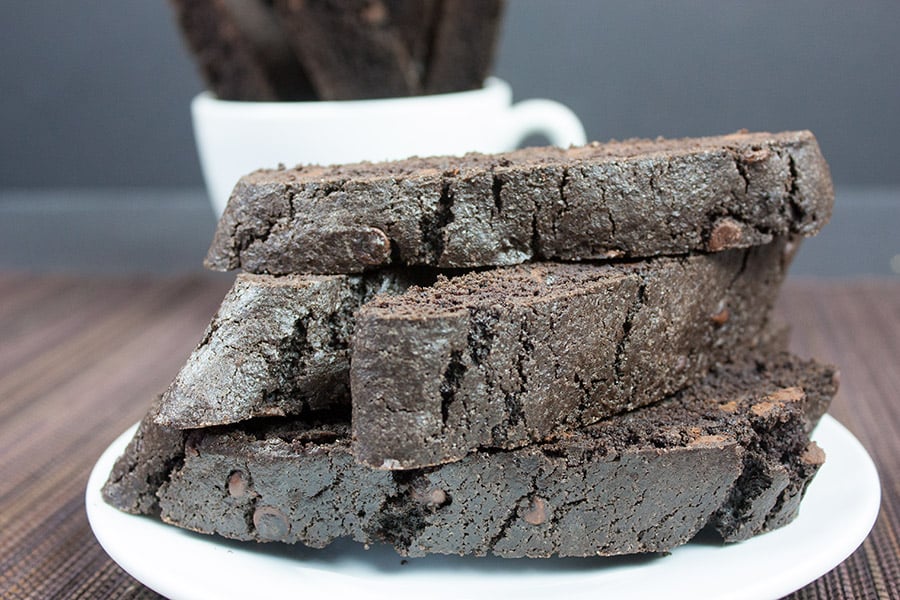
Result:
94,94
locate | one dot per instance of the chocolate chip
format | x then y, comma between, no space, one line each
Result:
437,497
721,317
270,523
726,233
434,498
237,484
369,246
537,512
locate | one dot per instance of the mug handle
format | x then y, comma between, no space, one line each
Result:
548,118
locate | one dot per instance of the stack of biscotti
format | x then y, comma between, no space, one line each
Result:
269,50
543,352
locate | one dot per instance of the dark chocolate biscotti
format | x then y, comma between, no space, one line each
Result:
636,198
463,43
355,49
508,356
276,346
732,452
351,48
280,345
242,50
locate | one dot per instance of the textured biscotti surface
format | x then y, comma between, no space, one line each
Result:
150,456
509,356
277,346
732,451
635,198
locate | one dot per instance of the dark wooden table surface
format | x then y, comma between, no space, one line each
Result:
80,359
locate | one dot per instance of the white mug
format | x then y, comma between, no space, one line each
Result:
235,138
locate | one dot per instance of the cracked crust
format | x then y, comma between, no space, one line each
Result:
636,198
276,346
150,456
706,456
506,357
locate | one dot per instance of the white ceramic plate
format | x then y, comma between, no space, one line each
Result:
838,512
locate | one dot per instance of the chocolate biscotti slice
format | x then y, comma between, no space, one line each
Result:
276,346
636,198
463,43
352,48
242,50
732,452
355,49
505,357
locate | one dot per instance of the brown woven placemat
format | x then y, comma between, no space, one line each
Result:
80,360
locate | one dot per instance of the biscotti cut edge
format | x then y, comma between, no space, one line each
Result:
276,346
506,357
732,451
636,198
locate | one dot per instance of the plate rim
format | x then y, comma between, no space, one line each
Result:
806,569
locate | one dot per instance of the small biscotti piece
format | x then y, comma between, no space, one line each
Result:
355,49
506,357
242,50
277,346
636,198
462,49
732,451
351,48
